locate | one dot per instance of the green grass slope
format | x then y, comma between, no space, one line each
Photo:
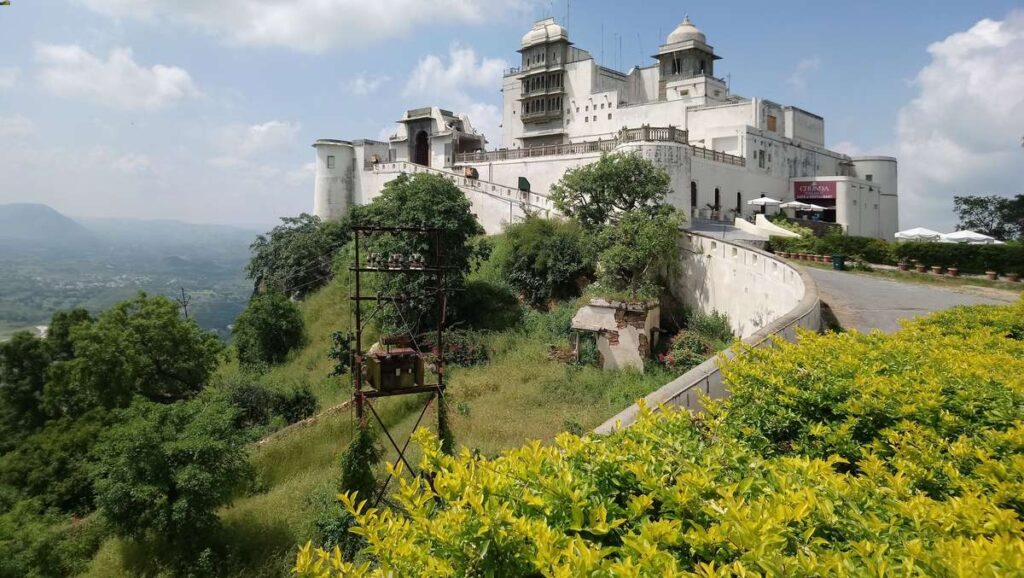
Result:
522,394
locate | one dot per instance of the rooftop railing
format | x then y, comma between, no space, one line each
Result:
642,134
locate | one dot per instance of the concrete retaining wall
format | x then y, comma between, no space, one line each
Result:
764,297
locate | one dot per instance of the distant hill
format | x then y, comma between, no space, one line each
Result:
40,225
169,234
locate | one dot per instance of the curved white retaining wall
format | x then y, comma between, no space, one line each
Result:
763,296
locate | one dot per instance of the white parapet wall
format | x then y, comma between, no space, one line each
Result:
764,297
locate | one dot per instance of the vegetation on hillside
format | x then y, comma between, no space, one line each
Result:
840,454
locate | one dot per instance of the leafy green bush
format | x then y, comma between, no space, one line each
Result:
36,543
975,259
844,454
714,326
872,250
686,350
54,464
637,248
270,327
544,259
257,402
461,347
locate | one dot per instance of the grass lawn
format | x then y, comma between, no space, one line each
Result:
521,394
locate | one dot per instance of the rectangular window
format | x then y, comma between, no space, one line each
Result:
772,123
609,116
760,158
586,119
595,118
330,162
869,178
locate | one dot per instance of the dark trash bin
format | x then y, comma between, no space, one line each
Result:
839,262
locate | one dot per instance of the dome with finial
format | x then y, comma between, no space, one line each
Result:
686,31
545,31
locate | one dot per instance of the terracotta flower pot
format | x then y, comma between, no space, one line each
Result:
992,275
953,272
904,266
920,268
937,269
1013,277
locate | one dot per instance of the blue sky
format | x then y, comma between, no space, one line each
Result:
204,111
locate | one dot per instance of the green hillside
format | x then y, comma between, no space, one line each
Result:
522,394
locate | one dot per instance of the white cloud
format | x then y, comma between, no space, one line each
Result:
9,77
464,70
16,127
302,175
133,164
804,68
962,133
451,84
240,146
366,84
312,25
117,81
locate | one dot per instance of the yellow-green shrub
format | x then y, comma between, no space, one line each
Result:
842,455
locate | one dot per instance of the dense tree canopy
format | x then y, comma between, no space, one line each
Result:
637,249
594,194
139,347
23,363
999,217
267,330
546,258
420,200
296,257
167,468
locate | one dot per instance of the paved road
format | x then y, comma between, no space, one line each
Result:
864,303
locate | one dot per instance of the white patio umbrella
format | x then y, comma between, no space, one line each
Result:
919,234
764,202
795,205
969,237
813,207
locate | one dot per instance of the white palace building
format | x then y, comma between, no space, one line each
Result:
562,110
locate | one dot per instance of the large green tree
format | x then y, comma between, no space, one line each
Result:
545,258
267,330
638,248
594,194
23,364
139,347
296,257
420,200
167,468
999,217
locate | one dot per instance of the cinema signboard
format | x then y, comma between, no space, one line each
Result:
814,190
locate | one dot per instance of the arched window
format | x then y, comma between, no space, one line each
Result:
718,199
693,194
739,202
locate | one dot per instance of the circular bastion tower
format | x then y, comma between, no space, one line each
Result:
334,191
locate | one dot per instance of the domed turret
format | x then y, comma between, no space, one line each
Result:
544,31
686,31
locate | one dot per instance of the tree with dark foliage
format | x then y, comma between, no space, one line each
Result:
999,217
296,258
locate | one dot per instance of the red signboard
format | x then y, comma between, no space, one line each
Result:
814,190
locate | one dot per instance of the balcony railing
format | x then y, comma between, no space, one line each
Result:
642,134
542,115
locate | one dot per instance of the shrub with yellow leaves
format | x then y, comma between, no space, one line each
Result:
842,454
